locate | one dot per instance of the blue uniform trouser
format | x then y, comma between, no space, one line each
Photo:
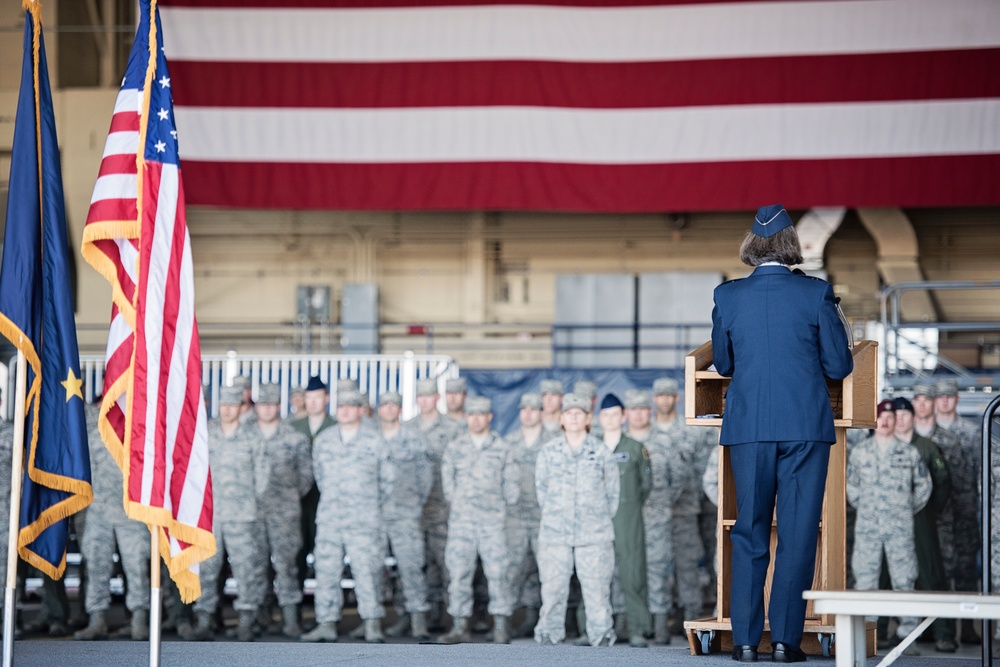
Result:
789,477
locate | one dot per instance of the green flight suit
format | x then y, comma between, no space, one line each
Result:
630,536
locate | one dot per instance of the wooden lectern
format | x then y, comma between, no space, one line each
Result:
853,402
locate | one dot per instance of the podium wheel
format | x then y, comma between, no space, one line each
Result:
826,643
706,637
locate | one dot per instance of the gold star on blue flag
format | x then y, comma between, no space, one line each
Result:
36,315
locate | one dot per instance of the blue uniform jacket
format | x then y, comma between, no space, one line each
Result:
777,334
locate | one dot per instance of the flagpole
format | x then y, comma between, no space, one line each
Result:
154,596
17,463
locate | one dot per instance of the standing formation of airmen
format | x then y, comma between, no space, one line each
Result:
624,506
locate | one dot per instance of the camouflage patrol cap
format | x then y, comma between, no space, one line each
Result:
230,395
456,386
663,386
392,397
638,398
427,387
585,388
347,384
350,397
478,405
269,394
576,402
551,387
531,399
241,381
946,387
924,389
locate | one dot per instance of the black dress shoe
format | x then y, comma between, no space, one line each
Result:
782,652
745,653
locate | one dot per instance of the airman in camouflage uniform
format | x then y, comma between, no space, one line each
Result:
523,518
887,483
693,544
355,475
238,528
437,431
402,512
480,478
960,535
629,591
107,523
552,392
670,479
930,566
577,482
282,476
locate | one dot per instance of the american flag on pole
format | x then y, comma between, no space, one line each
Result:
153,416
587,105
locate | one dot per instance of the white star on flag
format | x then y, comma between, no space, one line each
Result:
164,82
163,114
160,147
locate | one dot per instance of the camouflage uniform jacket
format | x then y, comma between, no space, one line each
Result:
282,465
670,475
886,482
355,479
693,446
232,466
480,483
437,436
526,454
414,474
578,492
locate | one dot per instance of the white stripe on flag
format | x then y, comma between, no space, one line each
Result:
129,255
593,136
114,186
579,34
121,143
118,333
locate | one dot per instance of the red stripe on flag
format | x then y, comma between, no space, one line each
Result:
801,79
919,181
125,121
118,164
112,209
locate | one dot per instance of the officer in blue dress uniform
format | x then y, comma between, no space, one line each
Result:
778,335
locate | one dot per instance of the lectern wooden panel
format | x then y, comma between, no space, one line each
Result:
853,404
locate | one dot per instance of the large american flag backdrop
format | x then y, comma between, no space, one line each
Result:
153,417
587,105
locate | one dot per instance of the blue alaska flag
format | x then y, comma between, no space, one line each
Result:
36,315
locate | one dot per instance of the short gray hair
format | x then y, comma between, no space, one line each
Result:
782,247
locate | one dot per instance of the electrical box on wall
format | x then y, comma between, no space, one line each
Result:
312,303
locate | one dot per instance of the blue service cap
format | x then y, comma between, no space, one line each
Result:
611,401
770,220
316,384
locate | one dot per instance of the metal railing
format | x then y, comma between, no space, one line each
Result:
374,373
900,371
